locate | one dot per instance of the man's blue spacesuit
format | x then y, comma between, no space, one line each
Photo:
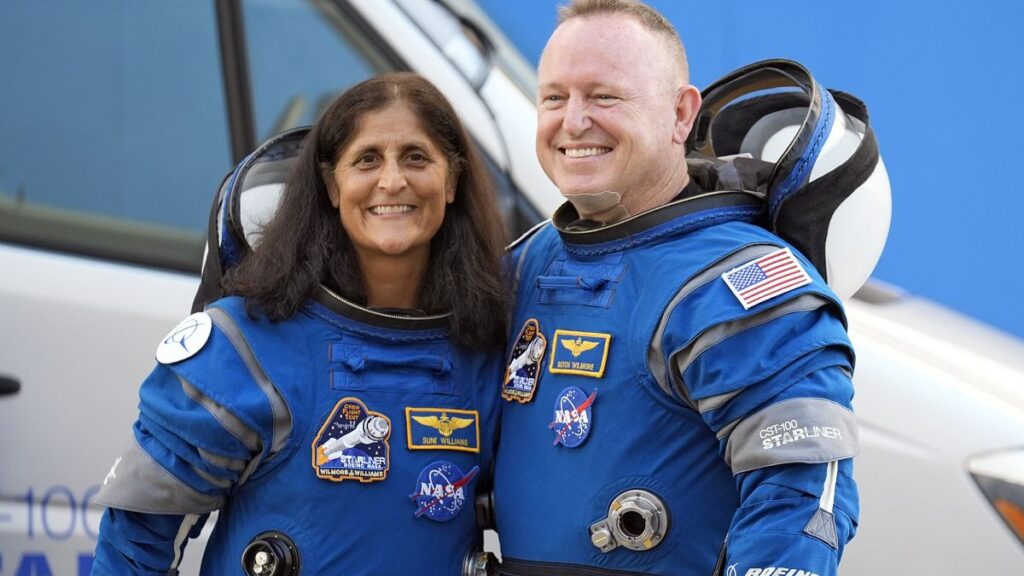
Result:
696,383
345,440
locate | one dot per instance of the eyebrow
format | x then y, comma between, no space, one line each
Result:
424,145
602,85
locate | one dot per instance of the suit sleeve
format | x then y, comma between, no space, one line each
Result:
205,426
143,544
774,384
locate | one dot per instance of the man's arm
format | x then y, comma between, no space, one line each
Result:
793,515
773,383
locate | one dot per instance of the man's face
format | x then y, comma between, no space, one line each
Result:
607,111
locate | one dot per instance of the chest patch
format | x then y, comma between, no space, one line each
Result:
522,374
442,429
442,490
573,418
353,444
580,353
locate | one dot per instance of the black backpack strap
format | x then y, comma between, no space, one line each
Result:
210,288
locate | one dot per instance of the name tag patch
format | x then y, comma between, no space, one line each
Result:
580,353
442,429
352,444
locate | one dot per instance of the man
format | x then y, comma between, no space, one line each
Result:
680,400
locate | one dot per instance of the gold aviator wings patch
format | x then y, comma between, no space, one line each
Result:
579,345
444,424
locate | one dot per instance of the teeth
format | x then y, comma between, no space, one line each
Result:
584,152
391,209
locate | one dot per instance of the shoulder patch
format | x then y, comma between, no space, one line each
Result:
766,277
185,339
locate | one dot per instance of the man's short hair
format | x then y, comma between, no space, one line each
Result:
648,17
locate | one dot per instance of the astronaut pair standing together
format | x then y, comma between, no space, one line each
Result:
668,314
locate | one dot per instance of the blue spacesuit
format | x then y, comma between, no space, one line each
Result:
341,441
696,383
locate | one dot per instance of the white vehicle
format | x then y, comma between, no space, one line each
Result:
120,118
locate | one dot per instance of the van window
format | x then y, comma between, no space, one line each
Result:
302,55
114,127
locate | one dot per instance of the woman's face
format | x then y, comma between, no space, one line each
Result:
391,186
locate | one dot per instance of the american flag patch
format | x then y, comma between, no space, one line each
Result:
766,277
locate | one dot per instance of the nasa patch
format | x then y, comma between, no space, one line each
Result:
441,490
573,416
523,371
352,444
185,339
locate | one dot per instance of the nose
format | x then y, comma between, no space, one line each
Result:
391,178
577,116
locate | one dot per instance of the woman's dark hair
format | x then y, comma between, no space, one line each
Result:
305,244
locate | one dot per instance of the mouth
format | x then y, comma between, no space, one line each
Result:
585,152
386,209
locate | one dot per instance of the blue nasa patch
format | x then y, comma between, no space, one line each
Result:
580,353
352,444
573,416
442,429
525,362
442,490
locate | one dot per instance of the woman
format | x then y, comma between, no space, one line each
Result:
339,408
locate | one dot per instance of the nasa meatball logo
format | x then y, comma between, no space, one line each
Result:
522,373
442,490
573,417
352,444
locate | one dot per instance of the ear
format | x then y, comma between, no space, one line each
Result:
327,173
687,107
449,193
451,181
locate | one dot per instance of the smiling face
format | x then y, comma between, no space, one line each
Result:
391,186
613,112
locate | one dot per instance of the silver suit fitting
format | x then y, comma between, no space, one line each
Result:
479,563
637,520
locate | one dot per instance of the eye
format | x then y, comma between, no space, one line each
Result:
366,160
605,98
552,100
417,158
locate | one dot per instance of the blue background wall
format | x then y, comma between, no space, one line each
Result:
943,81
